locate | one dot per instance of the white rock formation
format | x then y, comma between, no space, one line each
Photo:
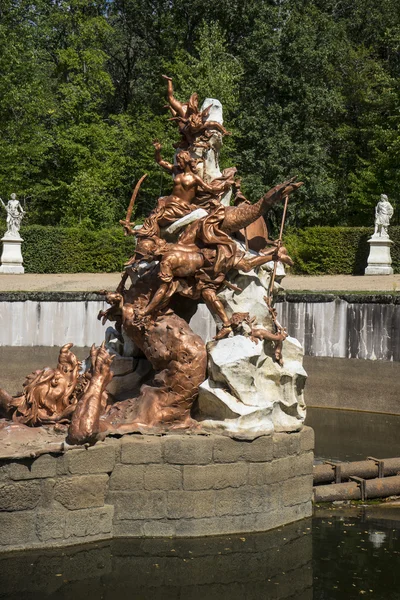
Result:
247,393
209,169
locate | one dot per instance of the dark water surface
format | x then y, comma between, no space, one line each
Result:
350,435
334,556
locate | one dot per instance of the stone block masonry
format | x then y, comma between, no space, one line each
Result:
149,486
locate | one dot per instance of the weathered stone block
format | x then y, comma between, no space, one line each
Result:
307,440
17,529
286,444
188,449
289,514
214,525
159,528
265,521
280,469
96,459
182,504
62,464
4,471
82,491
43,466
47,488
297,490
264,473
137,449
163,477
128,528
214,476
305,463
138,505
259,450
19,495
89,522
50,524
227,450
127,477
246,500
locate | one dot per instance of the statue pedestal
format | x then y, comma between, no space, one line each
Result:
379,259
11,258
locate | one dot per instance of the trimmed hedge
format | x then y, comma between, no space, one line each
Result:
315,250
335,250
74,249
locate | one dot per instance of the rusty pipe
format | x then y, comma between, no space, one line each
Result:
381,487
368,469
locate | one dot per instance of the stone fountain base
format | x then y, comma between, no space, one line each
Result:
149,486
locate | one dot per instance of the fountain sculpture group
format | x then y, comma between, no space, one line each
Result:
203,243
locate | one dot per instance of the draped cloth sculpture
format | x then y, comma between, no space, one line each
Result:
195,247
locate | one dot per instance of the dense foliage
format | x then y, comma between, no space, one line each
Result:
335,250
309,87
74,249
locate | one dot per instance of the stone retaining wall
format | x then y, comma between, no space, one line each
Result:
147,486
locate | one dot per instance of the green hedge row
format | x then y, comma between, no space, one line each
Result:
74,250
335,250
315,250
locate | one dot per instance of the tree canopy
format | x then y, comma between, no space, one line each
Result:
309,88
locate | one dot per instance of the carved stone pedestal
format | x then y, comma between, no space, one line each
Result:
379,259
11,258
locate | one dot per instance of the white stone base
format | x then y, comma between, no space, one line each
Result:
11,258
379,259
378,270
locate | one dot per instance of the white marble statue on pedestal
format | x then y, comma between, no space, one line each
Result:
383,214
379,259
11,258
15,214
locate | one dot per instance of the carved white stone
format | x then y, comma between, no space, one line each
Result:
216,110
11,258
247,392
208,169
254,286
178,225
379,259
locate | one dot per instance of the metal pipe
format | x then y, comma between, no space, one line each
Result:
381,487
367,469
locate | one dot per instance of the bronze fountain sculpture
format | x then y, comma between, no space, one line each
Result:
183,257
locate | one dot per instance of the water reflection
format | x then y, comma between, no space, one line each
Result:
275,565
356,556
351,435
346,554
